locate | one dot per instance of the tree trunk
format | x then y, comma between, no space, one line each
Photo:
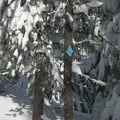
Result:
38,100
3,5
68,99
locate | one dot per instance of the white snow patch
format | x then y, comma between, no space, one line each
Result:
55,69
13,73
33,10
20,38
15,53
94,3
21,67
9,65
70,17
60,11
76,68
19,59
81,9
37,18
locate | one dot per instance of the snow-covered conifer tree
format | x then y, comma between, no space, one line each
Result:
33,34
108,98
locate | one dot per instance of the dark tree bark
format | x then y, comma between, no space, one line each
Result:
68,99
22,2
38,100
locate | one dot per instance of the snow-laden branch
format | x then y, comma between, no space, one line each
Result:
76,69
55,69
84,8
86,40
60,11
70,17
94,4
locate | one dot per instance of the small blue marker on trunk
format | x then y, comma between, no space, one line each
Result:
69,51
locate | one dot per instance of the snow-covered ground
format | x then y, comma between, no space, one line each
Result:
15,105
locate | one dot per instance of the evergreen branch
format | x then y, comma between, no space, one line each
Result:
10,3
105,39
98,82
86,40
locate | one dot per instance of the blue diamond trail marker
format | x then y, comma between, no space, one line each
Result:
69,51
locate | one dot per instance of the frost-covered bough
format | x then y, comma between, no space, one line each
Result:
3,79
109,67
87,48
27,33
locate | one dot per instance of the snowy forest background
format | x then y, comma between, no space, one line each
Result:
33,38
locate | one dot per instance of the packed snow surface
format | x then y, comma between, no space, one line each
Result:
16,105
